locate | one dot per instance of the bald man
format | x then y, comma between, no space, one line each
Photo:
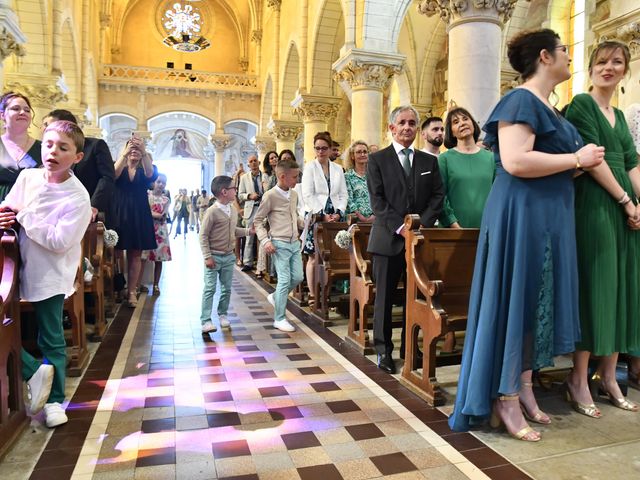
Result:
250,192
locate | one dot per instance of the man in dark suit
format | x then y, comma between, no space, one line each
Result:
95,171
401,181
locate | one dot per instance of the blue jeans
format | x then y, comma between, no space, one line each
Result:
224,270
288,262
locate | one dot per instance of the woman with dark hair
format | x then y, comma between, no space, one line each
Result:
523,306
467,171
269,163
606,224
17,149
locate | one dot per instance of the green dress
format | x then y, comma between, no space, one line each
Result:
608,251
358,200
467,179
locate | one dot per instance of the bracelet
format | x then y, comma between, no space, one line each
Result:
578,165
624,199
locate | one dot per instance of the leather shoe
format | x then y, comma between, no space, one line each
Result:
246,268
386,364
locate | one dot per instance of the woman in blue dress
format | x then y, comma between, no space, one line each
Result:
523,308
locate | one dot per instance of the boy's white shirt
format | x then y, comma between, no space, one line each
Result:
53,218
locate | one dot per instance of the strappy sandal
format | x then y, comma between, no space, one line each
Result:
522,434
133,301
622,403
539,416
590,410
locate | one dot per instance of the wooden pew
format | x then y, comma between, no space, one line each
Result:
93,249
77,353
332,264
439,272
13,416
108,273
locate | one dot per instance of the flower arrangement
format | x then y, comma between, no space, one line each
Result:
110,238
343,239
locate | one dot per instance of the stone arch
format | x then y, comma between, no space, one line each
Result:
290,78
328,35
176,106
382,23
267,104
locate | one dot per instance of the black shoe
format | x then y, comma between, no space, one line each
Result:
246,268
386,364
418,357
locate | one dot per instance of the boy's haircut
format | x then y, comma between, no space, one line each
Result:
69,129
60,114
428,121
220,182
285,165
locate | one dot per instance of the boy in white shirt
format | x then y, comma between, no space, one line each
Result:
53,210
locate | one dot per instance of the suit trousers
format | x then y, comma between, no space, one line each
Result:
386,272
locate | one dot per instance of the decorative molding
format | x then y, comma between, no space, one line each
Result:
274,5
9,45
220,141
452,10
256,36
284,131
625,28
315,107
265,144
244,64
105,20
39,95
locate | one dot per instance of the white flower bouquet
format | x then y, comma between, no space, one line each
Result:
343,239
110,238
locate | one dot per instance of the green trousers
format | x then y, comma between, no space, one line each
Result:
51,342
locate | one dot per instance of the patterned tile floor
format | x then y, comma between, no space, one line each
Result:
159,401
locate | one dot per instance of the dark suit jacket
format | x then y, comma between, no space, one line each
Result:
96,172
393,196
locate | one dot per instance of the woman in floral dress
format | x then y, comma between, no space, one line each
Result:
159,204
358,203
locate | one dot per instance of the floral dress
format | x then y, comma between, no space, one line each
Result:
159,204
358,194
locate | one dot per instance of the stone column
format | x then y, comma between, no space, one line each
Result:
11,37
56,39
366,75
285,134
475,35
275,78
264,145
220,143
316,112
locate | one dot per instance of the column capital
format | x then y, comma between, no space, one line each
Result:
315,107
454,12
274,5
220,141
364,69
42,91
105,20
284,130
622,29
264,144
9,45
256,36
11,37
243,62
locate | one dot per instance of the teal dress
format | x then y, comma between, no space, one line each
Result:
467,179
608,250
358,193
523,305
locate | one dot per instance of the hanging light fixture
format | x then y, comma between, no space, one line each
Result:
182,24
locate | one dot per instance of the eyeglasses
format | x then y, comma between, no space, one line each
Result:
564,48
321,149
361,152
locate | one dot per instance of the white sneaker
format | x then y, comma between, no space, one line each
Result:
271,300
208,327
224,322
39,388
54,415
284,325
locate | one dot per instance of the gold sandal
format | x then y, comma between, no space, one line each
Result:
539,417
621,402
497,422
590,410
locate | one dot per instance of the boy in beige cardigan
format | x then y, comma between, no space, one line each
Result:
218,234
280,207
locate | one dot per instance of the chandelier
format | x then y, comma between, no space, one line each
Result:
182,24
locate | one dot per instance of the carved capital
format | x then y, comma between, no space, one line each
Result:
220,142
628,33
285,131
274,5
256,36
244,64
313,107
9,45
265,144
451,11
39,95
359,74
105,20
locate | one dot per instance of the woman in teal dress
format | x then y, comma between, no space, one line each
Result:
523,306
17,149
467,171
607,235
358,202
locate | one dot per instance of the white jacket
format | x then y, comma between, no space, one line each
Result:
245,189
315,189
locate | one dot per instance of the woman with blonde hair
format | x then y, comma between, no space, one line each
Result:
358,202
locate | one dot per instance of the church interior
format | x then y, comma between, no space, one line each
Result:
153,398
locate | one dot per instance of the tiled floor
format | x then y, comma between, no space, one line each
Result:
159,401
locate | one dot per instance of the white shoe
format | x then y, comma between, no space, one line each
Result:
208,327
54,415
284,325
271,300
224,322
39,388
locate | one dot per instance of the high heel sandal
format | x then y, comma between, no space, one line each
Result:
539,417
590,410
497,422
133,301
597,388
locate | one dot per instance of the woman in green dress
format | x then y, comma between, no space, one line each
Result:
608,241
467,171
358,202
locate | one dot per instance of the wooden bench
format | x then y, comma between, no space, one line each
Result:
332,264
77,353
108,274
13,417
439,272
93,249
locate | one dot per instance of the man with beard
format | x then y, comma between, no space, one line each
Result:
432,132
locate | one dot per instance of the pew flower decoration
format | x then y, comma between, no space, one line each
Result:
110,238
343,239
